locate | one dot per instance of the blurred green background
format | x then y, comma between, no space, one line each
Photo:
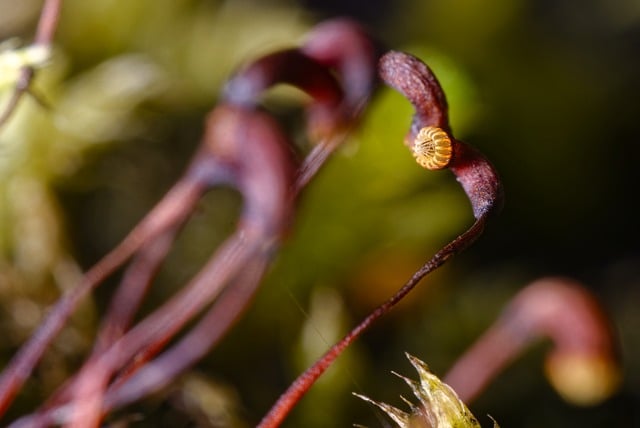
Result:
546,89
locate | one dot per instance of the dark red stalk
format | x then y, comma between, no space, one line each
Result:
161,371
270,70
135,283
224,313
127,299
478,178
255,149
277,68
264,179
172,210
305,381
335,66
244,148
165,322
294,68
291,66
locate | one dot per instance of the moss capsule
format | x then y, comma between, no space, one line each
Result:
432,148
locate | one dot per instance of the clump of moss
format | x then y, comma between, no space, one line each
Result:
439,405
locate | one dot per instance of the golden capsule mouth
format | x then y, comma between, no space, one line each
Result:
432,148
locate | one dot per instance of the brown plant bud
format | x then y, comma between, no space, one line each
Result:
412,78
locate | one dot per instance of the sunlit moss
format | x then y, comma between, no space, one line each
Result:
438,407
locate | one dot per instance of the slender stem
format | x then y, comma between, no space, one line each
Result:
478,178
301,385
163,323
481,363
166,321
225,312
135,284
127,299
317,158
49,17
47,24
171,210
158,373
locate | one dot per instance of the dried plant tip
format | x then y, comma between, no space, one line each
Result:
439,401
401,418
432,148
439,406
